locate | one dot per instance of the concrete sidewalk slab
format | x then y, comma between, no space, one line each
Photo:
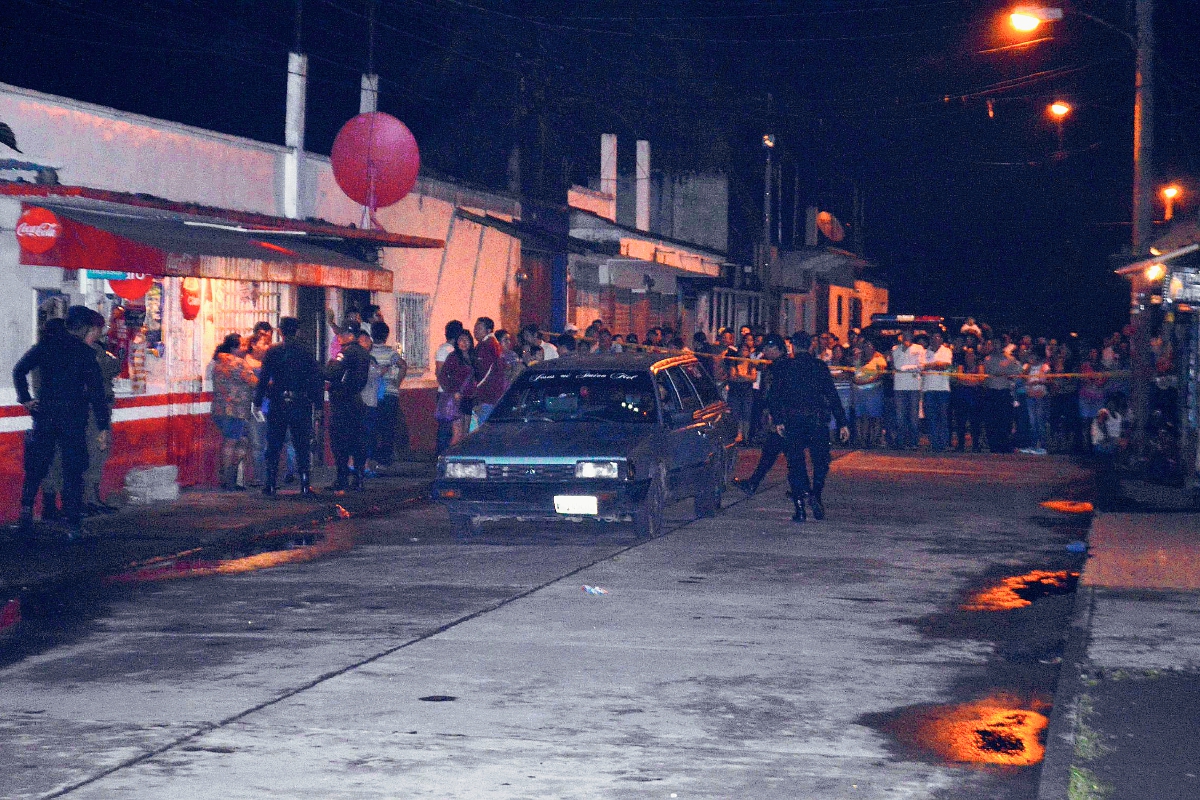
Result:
1128,701
1139,551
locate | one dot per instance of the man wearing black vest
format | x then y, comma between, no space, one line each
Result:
800,400
290,383
70,382
347,375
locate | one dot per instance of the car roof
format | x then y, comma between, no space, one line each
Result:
640,361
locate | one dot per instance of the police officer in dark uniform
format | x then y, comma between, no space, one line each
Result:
292,383
347,375
800,400
70,382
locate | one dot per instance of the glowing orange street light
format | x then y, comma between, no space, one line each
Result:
1027,18
1169,194
1024,22
1060,109
1155,272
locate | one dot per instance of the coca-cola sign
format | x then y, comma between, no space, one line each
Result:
37,230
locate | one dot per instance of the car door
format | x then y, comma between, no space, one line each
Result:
695,439
681,433
714,410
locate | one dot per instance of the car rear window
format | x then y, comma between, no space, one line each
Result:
578,395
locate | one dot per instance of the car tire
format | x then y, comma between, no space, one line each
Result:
462,526
712,485
647,519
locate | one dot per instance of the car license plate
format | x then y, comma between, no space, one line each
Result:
575,504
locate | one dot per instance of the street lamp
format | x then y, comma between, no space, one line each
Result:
1059,110
1027,18
1169,194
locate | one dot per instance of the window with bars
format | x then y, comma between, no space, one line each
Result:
412,330
239,305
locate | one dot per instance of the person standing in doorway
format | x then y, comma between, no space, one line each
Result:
70,384
291,384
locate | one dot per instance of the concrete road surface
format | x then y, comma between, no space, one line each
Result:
742,656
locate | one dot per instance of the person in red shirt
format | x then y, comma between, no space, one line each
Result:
489,368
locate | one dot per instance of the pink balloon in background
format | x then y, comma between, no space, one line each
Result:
375,160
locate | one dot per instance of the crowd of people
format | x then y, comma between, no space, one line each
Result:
979,390
973,389
265,393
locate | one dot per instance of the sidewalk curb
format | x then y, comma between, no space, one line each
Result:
1064,718
323,508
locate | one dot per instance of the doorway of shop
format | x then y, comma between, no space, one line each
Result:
310,310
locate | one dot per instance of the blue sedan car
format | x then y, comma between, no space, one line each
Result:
600,437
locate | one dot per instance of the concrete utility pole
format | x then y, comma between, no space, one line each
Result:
1142,357
293,136
1143,129
368,96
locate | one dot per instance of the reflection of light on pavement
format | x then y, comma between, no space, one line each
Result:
988,731
1068,506
1007,594
331,542
343,513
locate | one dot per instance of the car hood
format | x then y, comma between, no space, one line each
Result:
552,440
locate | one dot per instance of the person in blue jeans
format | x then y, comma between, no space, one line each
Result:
935,384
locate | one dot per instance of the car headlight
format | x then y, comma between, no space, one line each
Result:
597,469
465,469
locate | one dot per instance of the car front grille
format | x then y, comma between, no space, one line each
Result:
531,472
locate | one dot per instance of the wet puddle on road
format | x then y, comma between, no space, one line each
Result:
998,730
274,550
1020,591
1002,713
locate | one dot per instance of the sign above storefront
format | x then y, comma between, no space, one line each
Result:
105,275
38,230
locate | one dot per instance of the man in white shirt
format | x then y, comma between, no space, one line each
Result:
935,383
907,360
532,334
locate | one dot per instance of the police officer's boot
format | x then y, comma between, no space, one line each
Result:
306,489
799,515
356,478
25,521
269,482
818,507
50,506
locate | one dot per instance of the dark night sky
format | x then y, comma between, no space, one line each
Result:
968,214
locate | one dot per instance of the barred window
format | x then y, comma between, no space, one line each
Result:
412,330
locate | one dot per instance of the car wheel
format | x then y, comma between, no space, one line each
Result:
462,526
647,519
708,493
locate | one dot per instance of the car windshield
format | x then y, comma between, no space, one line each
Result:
578,395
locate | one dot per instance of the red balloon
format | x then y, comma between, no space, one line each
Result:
132,288
375,159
